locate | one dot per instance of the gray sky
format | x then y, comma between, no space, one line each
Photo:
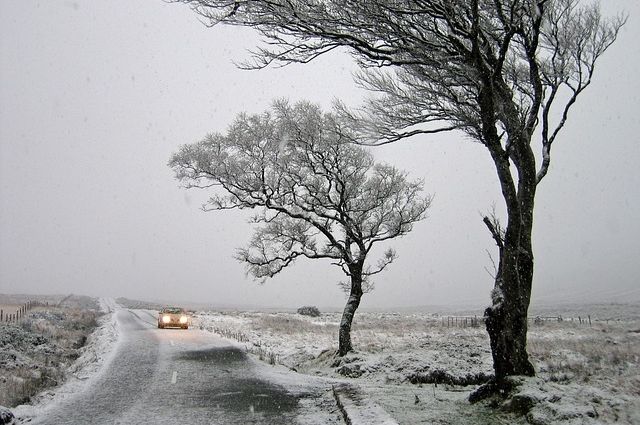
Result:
96,95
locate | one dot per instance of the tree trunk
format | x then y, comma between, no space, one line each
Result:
355,294
506,319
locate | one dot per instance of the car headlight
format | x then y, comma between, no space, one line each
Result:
166,319
183,319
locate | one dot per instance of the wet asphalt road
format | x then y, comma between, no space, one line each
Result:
175,376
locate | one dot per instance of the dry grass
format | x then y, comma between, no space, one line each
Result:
37,350
291,325
593,368
566,352
24,382
299,341
561,351
367,325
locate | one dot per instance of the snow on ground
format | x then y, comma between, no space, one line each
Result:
416,367
389,347
95,353
99,345
317,405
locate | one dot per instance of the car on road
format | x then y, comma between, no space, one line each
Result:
173,317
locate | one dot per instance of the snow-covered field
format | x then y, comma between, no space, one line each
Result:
421,371
420,368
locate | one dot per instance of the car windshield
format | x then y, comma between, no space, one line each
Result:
172,310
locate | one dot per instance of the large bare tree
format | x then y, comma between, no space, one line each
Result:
319,196
503,72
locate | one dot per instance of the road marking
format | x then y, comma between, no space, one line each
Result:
174,377
227,394
171,342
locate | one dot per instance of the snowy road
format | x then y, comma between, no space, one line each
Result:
190,377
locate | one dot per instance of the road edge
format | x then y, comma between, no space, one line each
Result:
98,352
357,408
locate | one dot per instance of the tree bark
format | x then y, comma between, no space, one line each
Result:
506,323
506,319
355,294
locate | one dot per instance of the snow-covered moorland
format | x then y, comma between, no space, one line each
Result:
421,369
37,350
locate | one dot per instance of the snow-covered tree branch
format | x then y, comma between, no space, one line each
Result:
319,196
505,73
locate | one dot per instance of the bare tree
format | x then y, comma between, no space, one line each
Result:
318,196
503,72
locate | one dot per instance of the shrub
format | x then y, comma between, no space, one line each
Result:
309,311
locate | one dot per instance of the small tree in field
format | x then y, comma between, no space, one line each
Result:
318,196
503,72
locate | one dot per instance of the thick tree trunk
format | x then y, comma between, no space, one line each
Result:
506,319
355,294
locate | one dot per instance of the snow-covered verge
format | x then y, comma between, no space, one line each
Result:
58,342
357,408
421,371
35,350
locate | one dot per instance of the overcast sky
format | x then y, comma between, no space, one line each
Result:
96,95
